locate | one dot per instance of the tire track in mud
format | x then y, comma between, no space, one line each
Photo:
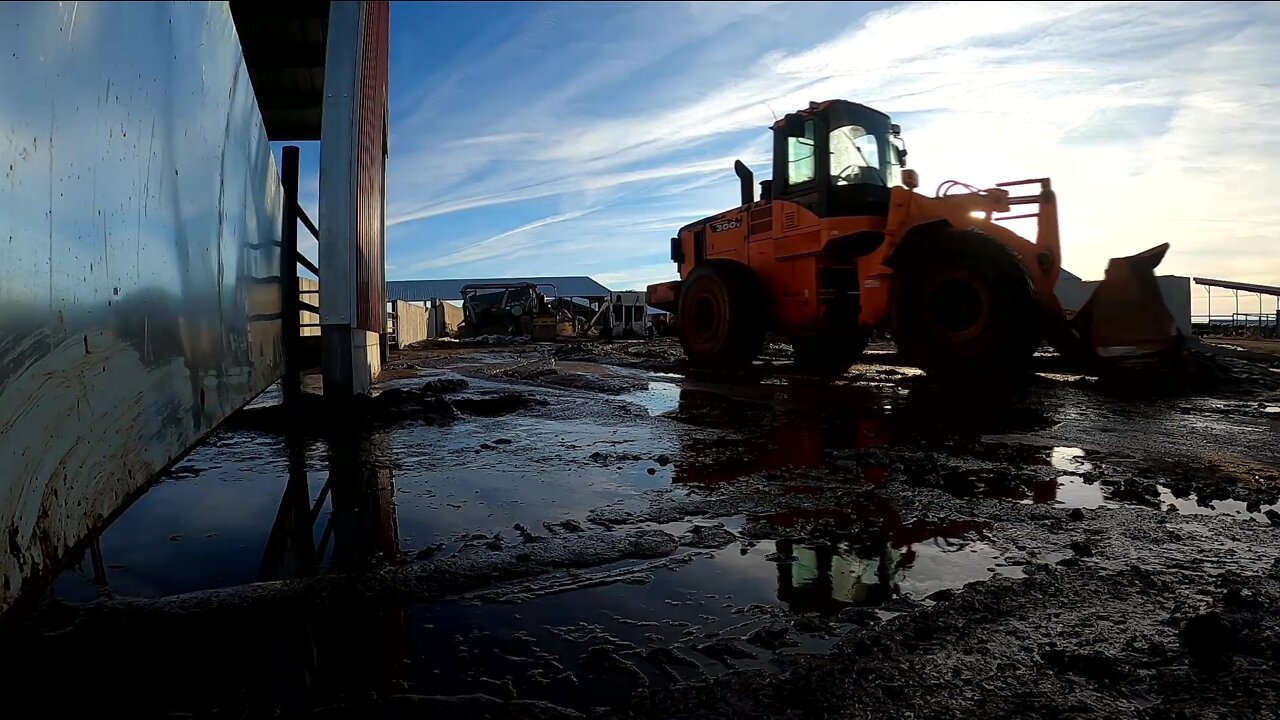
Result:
1075,642
476,566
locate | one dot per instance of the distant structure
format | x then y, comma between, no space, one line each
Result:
427,290
1238,317
1073,293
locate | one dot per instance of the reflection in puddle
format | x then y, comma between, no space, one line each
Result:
1068,458
591,646
199,530
798,428
865,554
1074,492
826,577
247,506
1230,508
821,578
660,398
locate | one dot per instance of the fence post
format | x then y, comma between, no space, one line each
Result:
290,326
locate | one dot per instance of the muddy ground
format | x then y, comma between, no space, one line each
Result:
587,529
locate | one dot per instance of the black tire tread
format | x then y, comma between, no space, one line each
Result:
1016,328
747,324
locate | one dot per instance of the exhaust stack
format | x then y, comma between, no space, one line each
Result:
747,180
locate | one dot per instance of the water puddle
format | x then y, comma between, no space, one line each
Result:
579,367
247,506
1229,508
1074,492
829,577
722,610
206,525
659,398
1069,459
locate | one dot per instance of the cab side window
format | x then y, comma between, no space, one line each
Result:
800,157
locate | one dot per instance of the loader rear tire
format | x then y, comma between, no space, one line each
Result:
963,305
721,316
829,354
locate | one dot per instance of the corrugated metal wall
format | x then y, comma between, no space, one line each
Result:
371,167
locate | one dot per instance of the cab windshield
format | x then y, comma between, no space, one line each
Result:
862,152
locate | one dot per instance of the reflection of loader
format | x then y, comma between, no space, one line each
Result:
517,308
839,245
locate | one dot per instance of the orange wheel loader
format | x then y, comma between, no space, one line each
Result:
840,245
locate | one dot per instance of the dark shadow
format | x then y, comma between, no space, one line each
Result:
279,657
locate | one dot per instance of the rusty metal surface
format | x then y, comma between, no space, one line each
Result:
139,227
352,312
371,137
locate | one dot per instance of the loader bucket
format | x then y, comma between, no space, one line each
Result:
1126,321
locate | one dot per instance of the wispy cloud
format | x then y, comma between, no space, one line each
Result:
564,185
503,244
494,139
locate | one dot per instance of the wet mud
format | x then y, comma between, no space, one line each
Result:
588,529
1059,642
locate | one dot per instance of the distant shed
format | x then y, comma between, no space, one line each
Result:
451,289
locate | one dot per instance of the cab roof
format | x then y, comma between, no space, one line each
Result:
818,107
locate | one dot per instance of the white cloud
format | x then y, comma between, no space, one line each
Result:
501,245
637,278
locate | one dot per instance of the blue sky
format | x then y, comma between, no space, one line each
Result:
574,138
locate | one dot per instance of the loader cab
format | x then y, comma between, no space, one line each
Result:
837,159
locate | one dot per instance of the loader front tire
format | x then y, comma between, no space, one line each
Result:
963,305
721,318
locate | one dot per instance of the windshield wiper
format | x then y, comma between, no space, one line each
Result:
867,164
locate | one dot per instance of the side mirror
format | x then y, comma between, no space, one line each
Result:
910,178
896,129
